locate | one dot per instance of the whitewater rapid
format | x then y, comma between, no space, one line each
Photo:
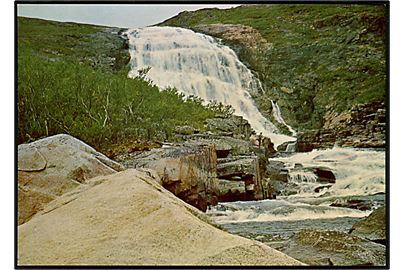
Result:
359,173
196,64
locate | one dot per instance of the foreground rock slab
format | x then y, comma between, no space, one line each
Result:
127,218
319,247
373,227
49,167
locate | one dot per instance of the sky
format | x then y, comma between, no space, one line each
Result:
124,16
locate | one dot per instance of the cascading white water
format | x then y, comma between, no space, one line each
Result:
358,172
197,65
302,176
279,118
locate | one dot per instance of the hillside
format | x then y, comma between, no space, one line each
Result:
313,60
72,78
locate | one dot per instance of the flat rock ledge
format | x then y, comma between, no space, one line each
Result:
127,218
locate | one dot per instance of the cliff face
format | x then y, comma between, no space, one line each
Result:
317,61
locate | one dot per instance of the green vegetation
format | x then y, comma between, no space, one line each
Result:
65,85
318,58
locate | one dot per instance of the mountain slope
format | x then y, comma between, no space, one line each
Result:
72,78
312,59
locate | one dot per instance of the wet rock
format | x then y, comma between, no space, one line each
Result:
52,166
230,191
325,175
354,203
372,227
316,247
248,170
283,147
187,170
321,188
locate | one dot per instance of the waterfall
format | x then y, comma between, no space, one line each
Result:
279,118
195,64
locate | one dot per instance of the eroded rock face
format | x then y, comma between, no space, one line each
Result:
372,227
246,169
363,126
127,218
235,32
187,170
333,248
52,166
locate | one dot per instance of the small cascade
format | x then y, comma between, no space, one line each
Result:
279,118
291,147
302,177
358,172
196,64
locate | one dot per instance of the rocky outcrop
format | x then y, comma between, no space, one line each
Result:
52,166
233,125
187,170
363,126
129,219
329,248
224,145
242,34
372,227
245,169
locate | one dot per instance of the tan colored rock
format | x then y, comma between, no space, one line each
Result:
187,170
237,32
49,167
129,219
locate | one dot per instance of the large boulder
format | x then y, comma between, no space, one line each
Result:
52,166
188,170
326,247
247,169
372,227
129,219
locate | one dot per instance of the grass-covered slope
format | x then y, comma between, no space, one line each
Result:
318,57
72,78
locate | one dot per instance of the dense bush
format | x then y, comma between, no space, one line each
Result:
59,91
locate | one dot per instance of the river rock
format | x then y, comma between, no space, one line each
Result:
372,227
52,166
230,191
188,170
318,247
247,169
283,147
127,218
325,175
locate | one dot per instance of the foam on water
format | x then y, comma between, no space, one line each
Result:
277,210
358,172
198,65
